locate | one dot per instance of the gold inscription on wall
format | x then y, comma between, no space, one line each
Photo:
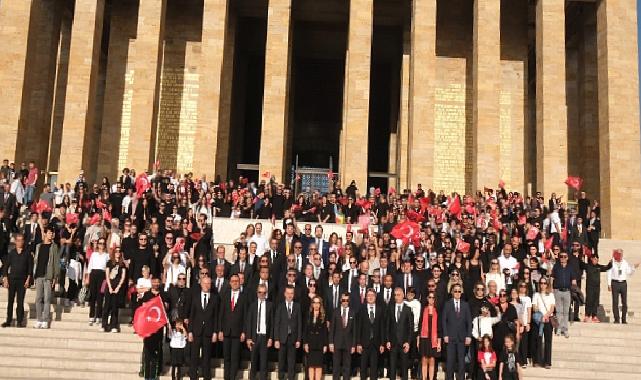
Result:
177,118
125,124
505,143
449,138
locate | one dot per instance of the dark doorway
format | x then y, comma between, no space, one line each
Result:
316,100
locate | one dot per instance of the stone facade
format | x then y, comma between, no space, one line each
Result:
476,91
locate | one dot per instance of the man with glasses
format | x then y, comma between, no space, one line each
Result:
350,275
562,279
371,334
288,332
179,298
457,332
258,330
342,338
321,244
140,257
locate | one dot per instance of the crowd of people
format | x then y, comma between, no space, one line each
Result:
419,283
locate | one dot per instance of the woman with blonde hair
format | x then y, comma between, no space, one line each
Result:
315,339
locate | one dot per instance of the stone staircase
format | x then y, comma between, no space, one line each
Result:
72,349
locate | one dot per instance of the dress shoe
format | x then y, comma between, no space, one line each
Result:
6,324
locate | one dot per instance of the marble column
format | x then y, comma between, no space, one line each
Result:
146,62
14,32
618,98
486,77
275,121
551,107
422,89
79,137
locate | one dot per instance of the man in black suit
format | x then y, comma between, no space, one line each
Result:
242,265
258,330
342,338
202,327
287,334
350,276
406,278
370,335
231,320
9,203
5,238
333,294
220,260
386,295
457,332
275,259
263,279
286,245
358,297
291,280
32,233
219,281
400,325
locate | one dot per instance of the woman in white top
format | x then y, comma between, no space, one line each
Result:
175,268
543,303
94,277
482,325
495,275
525,317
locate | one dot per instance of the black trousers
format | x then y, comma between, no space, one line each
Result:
200,342
287,359
592,295
456,355
398,359
16,287
369,362
619,289
544,345
342,365
523,348
96,277
110,311
231,354
259,358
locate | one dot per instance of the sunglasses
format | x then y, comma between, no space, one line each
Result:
430,297
262,292
457,291
345,300
291,275
181,278
480,289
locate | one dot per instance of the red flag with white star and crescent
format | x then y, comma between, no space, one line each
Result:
150,317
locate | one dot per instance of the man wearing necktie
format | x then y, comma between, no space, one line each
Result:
399,335
370,336
258,329
203,318
232,317
287,334
457,332
342,339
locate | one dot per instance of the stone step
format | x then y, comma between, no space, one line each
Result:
597,364
625,357
18,349
71,363
70,334
566,374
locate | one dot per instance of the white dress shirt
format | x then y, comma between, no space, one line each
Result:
262,320
620,271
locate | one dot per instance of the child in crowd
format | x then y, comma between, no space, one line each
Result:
508,366
486,358
177,345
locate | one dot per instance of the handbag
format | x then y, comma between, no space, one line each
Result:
83,295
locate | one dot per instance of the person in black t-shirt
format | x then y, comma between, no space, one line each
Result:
17,277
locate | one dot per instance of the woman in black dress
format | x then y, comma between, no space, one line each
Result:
115,292
429,336
508,323
315,339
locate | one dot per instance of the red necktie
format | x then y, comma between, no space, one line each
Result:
362,296
233,305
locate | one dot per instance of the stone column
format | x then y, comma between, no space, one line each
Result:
276,94
146,62
215,14
354,135
79,138
14,32
551,108
618,118
422,88
403,123
486,79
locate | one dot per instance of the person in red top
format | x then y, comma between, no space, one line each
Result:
32,178
429,337
486,358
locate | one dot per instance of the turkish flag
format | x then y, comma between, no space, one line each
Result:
407,231
71,218
455,207
532,233
142,184
501,184
462,246
414,216
150,317
574,182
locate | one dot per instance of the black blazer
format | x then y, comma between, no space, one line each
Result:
248,270
343,337
232,322
398,333
456,327
251,322
282,322
315,334
329,299
203,322
371,333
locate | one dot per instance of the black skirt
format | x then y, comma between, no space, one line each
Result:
315,358
177,356
426,350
